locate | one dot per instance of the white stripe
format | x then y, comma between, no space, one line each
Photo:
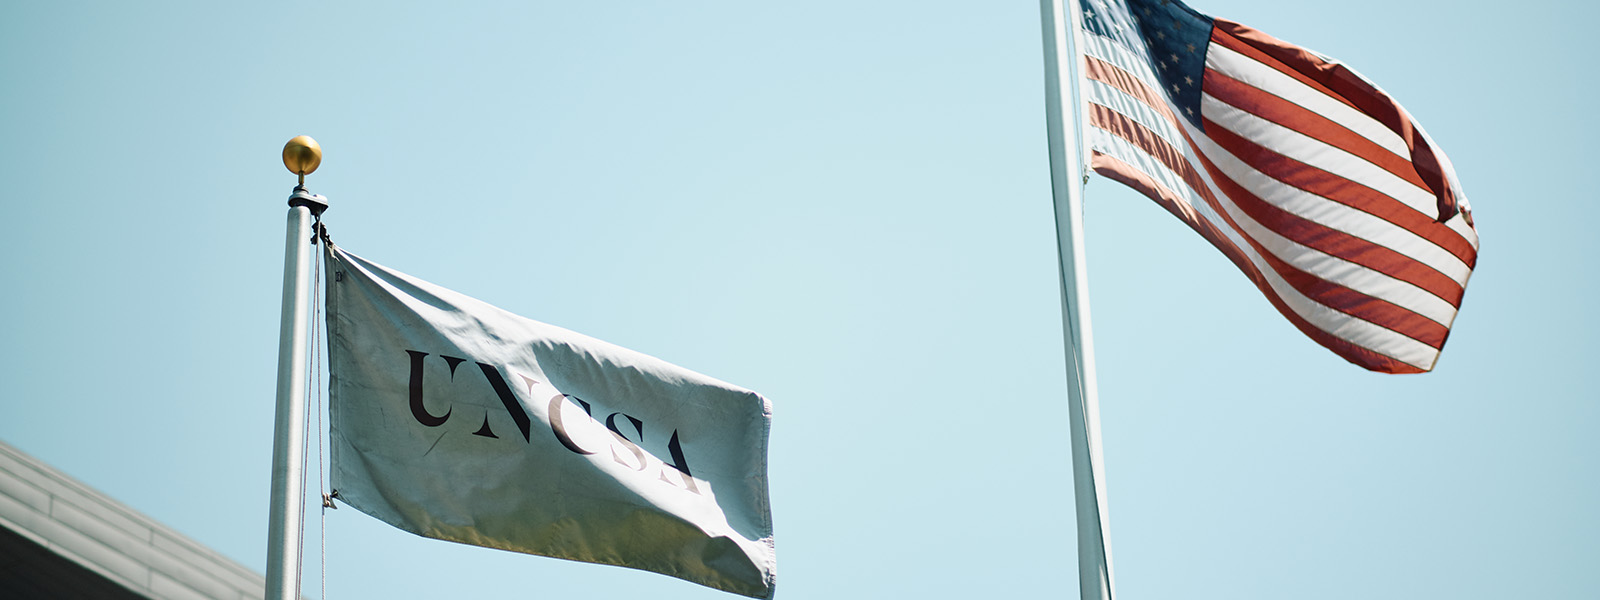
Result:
1109,96
1317,153
1112,52
1340,163
1315,262
1458,222
1277,83
1459,225
1351,329
1338,216
1125,151
1317,209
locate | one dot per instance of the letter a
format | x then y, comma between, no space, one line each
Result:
679,463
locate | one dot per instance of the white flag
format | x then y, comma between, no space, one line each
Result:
456,420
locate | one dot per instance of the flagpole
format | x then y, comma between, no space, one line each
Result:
301,155
1066,175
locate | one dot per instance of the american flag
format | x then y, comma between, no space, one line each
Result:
1317,185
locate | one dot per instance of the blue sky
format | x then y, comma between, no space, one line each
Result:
844,206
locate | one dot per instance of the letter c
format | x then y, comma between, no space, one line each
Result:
558,428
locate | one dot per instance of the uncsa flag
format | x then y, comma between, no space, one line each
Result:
456,420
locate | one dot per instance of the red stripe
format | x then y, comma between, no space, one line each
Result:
1237,45
1374,310
1339,189
1389,316
1351,88
1264,104
1132,177
1339,298
1142,137
1114,76
1299,229
1316,235
1128,129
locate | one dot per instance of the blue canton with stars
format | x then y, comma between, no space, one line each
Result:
1176,35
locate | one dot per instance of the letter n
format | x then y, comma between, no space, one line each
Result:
508,399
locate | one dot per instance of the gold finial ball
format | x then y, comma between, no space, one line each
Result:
302,155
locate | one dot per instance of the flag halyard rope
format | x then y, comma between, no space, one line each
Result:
314,357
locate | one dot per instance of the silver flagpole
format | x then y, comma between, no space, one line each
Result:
302,155
1061,59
